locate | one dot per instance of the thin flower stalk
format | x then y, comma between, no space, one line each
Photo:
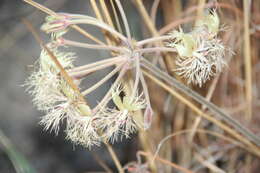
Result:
85,72
104,123
58,23
66,42
52,13
112,60
107,97
122,12
137,75
102,81
121,120
156,49
154,39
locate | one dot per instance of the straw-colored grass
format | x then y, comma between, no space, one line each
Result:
220,118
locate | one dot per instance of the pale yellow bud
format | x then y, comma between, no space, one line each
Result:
185,43
84,109
211,21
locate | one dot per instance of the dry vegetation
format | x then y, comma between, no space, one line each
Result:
188,133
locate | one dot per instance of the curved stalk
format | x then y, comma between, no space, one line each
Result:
99,24
114,60
121,10
156,49
154,39
52,13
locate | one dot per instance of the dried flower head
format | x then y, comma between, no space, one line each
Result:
200,53
58,100
210,21
81,130
121,121
45,82
200,56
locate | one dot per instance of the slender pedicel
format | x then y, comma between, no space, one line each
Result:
83,73
118,26
154,39
116,60
92,46
52,13
122,12
137,76
148,113
102,81
101,25
41,7
155,49
106,98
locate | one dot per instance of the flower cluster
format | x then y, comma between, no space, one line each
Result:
56,90
200,52
48,87
52,93
58,100
124,117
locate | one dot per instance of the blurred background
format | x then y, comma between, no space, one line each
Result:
44,151
23,141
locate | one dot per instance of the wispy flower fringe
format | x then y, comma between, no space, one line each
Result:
200,53
200,56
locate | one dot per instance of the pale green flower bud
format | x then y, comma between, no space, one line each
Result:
55,23
211,21
84,109
184,43
129,103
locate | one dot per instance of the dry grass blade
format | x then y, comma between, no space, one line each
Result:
101,163
252,148
182,169
115,158
219,113
187,131
197,54
247,59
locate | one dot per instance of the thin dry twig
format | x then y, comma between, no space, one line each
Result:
182,169
247,59
198,111
115,158
219,113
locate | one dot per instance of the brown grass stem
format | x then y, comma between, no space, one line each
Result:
115,158
247,60
217,112
149,155
254,149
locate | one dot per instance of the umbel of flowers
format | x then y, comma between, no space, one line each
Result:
200,56
200,53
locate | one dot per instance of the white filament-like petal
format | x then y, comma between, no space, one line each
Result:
198,61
